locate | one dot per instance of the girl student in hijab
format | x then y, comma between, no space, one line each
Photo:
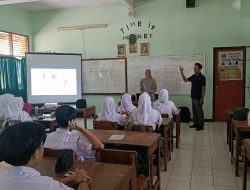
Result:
164,105
145,114
126,104
109,112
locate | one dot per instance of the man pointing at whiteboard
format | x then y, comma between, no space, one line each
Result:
148,84
198,81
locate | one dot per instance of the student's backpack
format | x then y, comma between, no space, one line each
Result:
185,114
240,113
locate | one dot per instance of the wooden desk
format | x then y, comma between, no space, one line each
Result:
104,175
134,140
239,128
51,122
167,133
89,112
177,119
246,159
229,125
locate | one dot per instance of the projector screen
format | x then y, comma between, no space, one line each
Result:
53,78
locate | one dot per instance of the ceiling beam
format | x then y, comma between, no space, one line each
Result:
8,2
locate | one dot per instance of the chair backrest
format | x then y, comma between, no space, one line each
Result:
139,127
123,157
163,115
105,125
55,153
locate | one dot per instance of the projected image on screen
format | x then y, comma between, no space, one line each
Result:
53,82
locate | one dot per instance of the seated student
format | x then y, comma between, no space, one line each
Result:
126,104
82,142
109,113
164,105
21,146
145,114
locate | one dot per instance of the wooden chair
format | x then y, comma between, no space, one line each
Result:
55,153
171,137
105,125
125,158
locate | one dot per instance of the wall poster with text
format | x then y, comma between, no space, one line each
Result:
230,65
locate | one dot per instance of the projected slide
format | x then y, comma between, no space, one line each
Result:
53,82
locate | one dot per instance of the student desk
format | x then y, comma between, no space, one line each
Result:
239,129
246,146
229,125
49,122
177,119
104,175
87,113
134,140
167,133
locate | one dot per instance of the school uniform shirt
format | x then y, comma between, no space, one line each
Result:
26,178
63,139
145,114
126,104
109,113
164,105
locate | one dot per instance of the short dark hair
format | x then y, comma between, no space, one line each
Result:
64,114
20,141
199,65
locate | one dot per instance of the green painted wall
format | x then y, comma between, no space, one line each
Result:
179,31
16,20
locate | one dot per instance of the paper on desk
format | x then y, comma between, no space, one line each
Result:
116,137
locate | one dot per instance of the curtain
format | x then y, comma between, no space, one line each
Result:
13,77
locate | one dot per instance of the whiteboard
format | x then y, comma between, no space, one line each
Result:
104,76
165,70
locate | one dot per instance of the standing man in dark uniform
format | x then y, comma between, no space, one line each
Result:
198,81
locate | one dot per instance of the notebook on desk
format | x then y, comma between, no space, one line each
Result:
116,137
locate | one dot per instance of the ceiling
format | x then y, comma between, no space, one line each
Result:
43,5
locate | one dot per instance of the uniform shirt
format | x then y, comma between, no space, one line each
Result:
26,178
63,139
198,81
168,108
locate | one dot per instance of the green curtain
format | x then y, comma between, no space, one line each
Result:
13,76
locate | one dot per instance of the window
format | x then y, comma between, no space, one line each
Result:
13,44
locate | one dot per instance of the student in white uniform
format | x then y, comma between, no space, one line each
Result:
164,105
145,114
21,146
70,135
126,104
109,112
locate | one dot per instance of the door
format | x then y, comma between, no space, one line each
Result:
229,80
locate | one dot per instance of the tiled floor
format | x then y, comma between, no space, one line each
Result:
202,162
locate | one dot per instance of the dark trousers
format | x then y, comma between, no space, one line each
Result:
198,114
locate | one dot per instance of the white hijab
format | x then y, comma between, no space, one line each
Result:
12,108
163,99
144,108
126,104
109,109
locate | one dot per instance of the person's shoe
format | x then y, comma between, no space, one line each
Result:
200,129
192,126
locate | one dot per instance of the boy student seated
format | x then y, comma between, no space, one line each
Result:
21,146
126,104
82,142
145,114
164,105
109,112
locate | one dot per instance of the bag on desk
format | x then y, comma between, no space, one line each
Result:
240,114
81,103
64,161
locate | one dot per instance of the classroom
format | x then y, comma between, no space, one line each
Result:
125,94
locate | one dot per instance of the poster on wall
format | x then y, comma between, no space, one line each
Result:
231,65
